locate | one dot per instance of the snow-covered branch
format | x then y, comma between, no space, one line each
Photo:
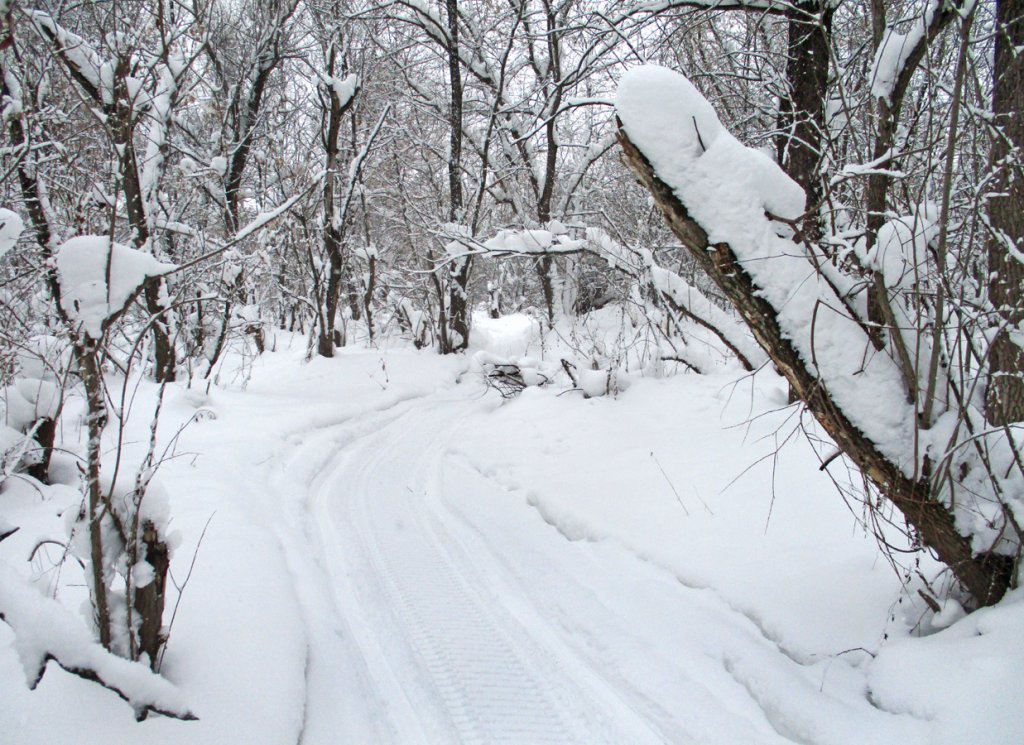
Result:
44,630
99,279
715,194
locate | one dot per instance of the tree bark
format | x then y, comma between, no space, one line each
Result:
149,600
334,222
332,231
802,111
546,268
458,291
96,420
1004,399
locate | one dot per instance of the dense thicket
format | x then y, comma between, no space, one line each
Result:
355,170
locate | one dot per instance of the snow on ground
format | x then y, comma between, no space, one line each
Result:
393,553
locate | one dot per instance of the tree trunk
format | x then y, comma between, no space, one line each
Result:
546,267
333,237
458,305
371,284
123,130
802,111
326,342
1004,399
149,600
458,290
986,577
96,419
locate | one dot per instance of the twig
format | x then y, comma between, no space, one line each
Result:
181,591
670,484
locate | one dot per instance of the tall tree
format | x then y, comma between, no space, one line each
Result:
1005,396
457,336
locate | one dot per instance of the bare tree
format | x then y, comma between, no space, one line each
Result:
1004,402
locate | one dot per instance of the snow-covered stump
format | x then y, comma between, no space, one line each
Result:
723,201
150,599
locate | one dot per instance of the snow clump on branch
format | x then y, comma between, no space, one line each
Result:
11,228
98,279
659,106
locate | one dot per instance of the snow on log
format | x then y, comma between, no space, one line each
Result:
99,278
532,242
729,190
44,630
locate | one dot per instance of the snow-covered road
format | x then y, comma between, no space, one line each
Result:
447,659
383,555
472,620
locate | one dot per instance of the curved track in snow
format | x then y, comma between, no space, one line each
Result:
449,612
449,661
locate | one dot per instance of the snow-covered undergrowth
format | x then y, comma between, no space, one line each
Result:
687,581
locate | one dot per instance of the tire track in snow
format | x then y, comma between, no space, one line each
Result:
332,704
460,668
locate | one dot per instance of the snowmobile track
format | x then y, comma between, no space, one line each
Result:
462,668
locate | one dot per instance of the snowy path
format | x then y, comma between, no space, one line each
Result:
465,618
393,558
454,664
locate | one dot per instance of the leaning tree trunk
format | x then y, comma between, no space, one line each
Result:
1004,400
985,576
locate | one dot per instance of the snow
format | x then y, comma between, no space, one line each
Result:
29,399
685,295
533,242
11,228
987,645
14,445
44,357
268,216
98,73
728,188
667,114
344,88
901,249
392,553
99,279
894,51
45,630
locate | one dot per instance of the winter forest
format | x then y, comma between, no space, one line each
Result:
522,371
